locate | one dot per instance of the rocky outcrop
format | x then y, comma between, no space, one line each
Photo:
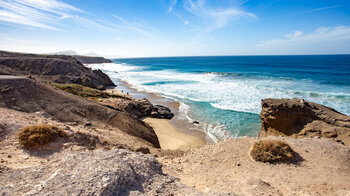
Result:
299,118
28,95
53,68
92,60
98,172
143,108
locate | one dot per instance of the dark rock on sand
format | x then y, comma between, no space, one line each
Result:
299,118
144,108
160,111
27,95
53,68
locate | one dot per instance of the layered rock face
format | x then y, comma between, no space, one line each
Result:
299,118
28,95
54,68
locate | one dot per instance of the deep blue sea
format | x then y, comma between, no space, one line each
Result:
224,93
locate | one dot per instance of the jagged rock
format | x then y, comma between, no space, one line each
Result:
300,118
53,68
144,108
160,111
98,172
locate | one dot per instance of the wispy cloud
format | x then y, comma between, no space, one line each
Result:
299,40
135,27
218,15
172,4
35,13
324,8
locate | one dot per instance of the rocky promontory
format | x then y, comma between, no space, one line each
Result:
92,60
28,95
300,118
53,68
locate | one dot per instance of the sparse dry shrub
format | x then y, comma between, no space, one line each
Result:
38,135
82,91
272,151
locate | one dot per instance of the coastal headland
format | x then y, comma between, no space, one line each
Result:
126,142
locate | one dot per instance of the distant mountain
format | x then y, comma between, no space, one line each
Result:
66,52
89,58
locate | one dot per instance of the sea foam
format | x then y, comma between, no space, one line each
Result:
236,93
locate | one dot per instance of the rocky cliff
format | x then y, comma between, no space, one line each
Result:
28,95
92,60
299,118
54,68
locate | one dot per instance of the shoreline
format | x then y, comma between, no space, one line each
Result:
178,128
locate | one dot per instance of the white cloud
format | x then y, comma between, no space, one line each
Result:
299,41
186,22
35,13
294,35
218,16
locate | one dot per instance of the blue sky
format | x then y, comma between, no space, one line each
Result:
137,28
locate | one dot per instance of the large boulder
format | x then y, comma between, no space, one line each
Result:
144,108
53,68
299,118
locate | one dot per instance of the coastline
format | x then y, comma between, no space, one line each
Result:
175,134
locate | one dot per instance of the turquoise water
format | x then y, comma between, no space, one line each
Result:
224,93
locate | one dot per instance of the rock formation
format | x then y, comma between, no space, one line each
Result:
299,118
54,68
28,95
144,108
92,60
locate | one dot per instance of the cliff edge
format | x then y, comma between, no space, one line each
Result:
53,68
300,118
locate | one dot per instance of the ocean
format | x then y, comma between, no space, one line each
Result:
224,93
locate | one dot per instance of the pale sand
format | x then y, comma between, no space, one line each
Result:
172,139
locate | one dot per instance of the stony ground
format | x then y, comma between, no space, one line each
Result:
322,167
93,172
91,162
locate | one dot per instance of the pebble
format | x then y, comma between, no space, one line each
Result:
238,164
9,156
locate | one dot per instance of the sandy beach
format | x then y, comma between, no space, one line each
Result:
172,139
174,134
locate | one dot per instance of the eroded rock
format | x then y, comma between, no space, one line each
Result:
300,118
144,108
